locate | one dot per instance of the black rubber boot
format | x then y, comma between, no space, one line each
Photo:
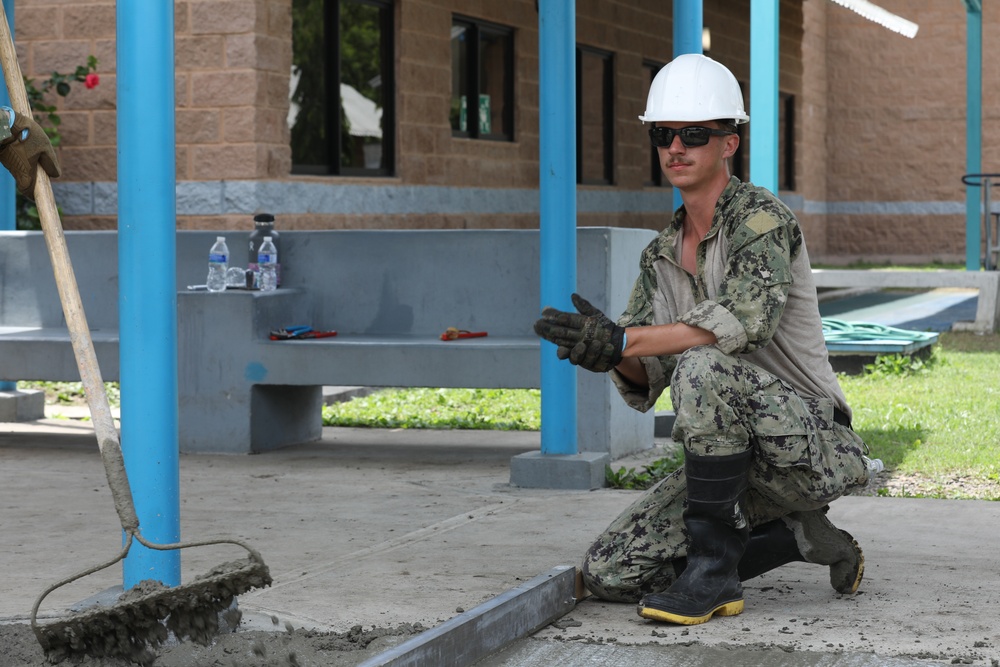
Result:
718,534
821,542
807,537
771,545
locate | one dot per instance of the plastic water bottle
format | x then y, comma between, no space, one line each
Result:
218,265
267,264
875,466
263,226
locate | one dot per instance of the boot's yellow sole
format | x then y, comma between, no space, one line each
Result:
726,609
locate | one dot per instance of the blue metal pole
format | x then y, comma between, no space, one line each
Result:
973,133
147,299
8,194
764,94
688,26
557,183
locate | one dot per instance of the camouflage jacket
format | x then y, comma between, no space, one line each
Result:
753,289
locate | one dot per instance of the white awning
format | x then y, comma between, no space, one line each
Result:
883,17
363,115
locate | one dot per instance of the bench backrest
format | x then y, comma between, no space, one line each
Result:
28,295
377,282
418,282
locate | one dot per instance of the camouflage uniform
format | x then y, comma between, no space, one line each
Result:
766,385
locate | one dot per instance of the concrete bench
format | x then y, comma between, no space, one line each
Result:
987,282
389,294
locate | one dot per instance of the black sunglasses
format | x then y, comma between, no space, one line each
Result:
691,136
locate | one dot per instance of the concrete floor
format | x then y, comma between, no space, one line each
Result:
378,527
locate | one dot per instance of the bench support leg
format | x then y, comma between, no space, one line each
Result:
284,415
250,419
605,423
987,310
22,406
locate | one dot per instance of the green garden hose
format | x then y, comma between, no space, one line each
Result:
839,331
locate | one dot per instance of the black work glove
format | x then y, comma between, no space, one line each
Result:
27,148
589,339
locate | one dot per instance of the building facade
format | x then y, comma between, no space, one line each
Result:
434,120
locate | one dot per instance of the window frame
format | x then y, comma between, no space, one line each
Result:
474,28
786,152
608,111
332,62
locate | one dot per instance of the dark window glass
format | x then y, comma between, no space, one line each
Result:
341,92
594,117
786,141
482,80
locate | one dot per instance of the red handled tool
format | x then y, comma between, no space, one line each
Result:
451,333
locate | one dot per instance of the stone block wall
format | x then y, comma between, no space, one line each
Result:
231,86
896,123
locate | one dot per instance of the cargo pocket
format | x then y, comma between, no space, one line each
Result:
785,431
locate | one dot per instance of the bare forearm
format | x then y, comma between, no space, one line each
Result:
657,340
660,339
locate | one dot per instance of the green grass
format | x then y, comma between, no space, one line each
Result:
498,409
70,393
939,423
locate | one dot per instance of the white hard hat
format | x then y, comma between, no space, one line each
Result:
694,87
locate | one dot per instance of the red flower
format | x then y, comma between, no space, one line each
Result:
91,80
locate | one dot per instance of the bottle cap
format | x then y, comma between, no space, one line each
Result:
220,238
266,239
263,217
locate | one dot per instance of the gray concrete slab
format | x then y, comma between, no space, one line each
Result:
377,528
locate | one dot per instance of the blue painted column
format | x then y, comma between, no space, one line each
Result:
557,185
8,193
688,25
147,298
764,94
973,132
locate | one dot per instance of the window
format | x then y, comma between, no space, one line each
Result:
655,172
341,91
594,117
786,145
786,141
482,70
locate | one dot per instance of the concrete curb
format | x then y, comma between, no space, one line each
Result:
489,627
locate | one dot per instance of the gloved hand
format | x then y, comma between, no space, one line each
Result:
26,148
589,339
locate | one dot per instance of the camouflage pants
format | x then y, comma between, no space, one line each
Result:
802,460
